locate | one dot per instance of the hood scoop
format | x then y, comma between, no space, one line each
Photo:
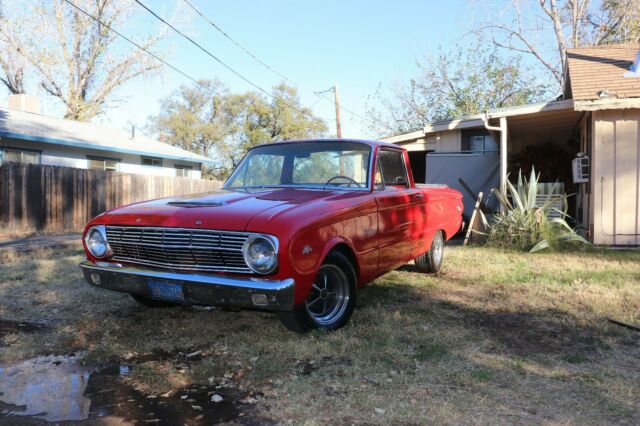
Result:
192,204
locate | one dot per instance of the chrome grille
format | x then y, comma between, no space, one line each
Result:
179,248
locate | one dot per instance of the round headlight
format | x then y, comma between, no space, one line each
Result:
96,242
261,254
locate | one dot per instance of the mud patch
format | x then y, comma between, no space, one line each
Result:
307,367
11,327
60,389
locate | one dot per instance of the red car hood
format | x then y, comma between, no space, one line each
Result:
223,209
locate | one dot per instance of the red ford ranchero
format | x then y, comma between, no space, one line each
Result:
298,229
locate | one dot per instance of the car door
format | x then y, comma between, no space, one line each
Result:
396,207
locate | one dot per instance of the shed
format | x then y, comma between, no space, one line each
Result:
594,125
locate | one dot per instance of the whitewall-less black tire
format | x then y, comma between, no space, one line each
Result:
431,261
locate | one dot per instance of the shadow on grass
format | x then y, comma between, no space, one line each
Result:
545,331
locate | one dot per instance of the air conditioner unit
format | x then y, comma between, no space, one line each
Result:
580,168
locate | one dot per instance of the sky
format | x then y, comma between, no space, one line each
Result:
355,44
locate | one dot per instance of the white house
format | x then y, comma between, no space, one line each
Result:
30,137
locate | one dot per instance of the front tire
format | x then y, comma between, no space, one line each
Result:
431,261
331,300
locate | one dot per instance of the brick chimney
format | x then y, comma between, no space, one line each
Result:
22,102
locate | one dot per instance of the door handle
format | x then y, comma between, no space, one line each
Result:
419,195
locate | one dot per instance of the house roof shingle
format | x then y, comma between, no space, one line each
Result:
42,128
592,69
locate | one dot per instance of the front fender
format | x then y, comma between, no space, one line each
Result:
307,251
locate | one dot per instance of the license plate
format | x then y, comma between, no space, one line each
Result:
164,290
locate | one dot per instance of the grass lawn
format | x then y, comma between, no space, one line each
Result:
495,337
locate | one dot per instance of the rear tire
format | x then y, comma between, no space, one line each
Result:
331,300
431,261
151,303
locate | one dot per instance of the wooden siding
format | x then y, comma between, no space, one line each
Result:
50,198
615,177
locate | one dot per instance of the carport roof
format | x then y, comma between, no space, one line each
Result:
554,109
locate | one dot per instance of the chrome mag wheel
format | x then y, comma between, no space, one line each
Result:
329,297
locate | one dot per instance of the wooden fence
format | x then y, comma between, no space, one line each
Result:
51,198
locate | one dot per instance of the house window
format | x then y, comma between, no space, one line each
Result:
183,171
151,161
478,141
20,156
103,164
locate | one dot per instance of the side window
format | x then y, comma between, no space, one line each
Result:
393,168
378,184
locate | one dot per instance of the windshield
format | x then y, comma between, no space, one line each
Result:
343,165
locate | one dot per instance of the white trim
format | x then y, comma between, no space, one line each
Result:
404,136
612,103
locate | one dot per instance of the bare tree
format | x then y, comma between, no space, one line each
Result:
530,25
12,64
77,59
458,81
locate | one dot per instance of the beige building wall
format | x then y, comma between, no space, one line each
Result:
615,177
446,141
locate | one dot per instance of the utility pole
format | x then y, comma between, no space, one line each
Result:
336,94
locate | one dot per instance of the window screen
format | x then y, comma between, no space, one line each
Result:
183,171
18,156
100,164
479,141
393,169
150,161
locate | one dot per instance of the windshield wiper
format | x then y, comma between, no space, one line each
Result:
256,187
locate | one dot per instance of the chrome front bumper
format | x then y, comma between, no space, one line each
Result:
198,289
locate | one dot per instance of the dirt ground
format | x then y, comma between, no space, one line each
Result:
494,338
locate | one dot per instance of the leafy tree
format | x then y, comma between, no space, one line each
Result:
459,82
196,118
75,59
209,120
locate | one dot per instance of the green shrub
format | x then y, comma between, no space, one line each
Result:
523,225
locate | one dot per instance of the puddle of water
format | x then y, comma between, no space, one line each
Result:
58,388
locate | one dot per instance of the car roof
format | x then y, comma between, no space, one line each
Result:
372,143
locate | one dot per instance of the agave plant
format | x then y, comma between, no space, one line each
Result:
525,222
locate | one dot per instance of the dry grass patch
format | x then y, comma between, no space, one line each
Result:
496,337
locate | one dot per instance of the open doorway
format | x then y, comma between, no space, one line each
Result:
418,160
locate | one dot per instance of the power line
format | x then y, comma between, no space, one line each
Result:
184,74
355,114
318,94
247,51
199,46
